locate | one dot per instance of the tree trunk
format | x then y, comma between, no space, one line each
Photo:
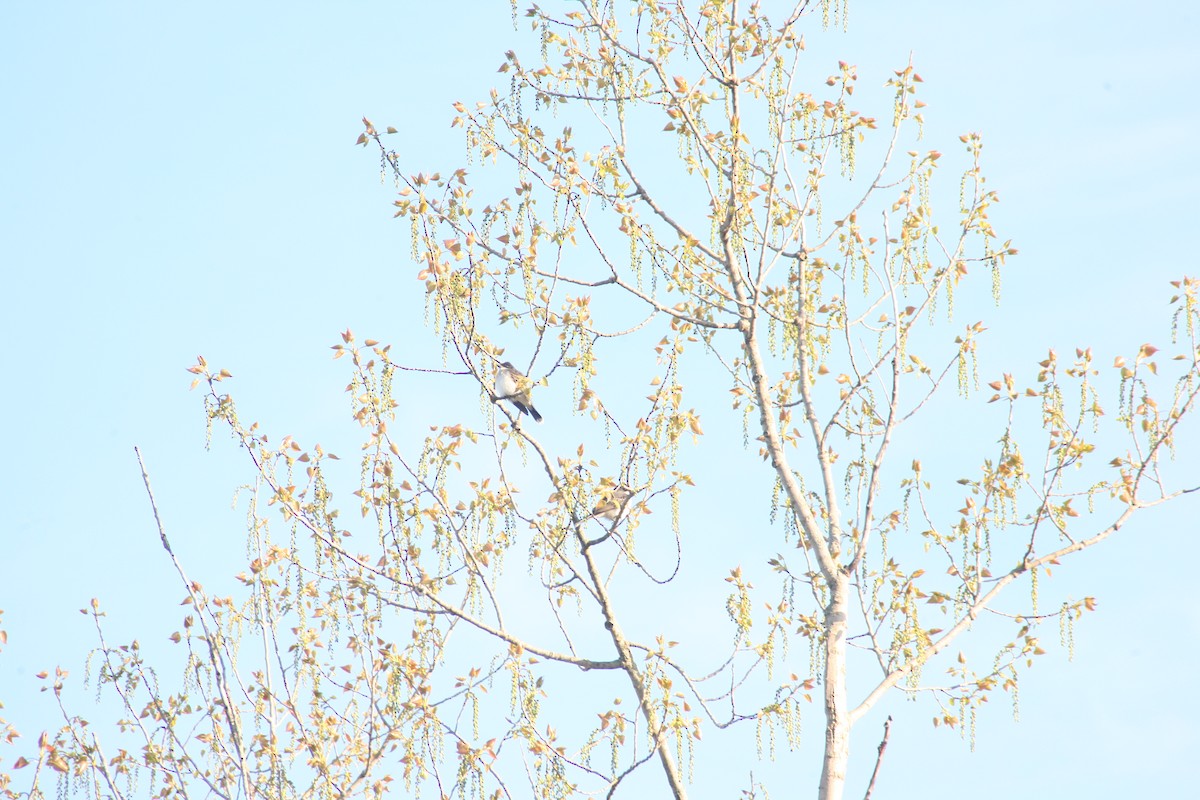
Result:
837,713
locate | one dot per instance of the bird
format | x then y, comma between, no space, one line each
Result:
508,387
614,506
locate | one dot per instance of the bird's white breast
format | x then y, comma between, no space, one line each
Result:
506,385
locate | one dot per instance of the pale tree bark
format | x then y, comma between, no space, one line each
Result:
822,540
837,711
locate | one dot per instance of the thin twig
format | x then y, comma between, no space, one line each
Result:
215,644
887,730
162,533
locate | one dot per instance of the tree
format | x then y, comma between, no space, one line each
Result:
354,661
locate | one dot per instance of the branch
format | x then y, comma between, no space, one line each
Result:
887,731
982,603
211,641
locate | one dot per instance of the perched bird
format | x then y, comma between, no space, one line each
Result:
508,387
616,505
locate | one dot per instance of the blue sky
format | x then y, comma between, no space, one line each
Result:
179,179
